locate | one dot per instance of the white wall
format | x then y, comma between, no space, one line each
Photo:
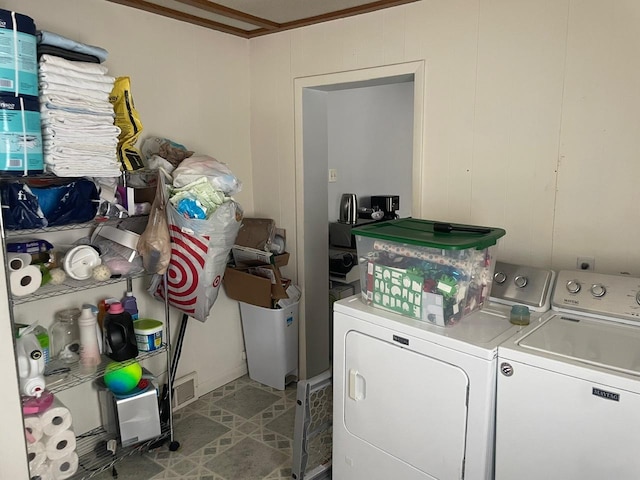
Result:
370,144
190,84
531,114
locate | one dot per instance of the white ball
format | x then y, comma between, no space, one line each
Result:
101,273
57,276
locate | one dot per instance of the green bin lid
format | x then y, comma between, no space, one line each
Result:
414,231
146,324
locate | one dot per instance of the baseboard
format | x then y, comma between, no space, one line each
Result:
211,384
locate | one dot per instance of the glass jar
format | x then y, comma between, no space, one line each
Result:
65,336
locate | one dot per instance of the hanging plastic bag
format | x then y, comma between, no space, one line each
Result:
199,254
155,243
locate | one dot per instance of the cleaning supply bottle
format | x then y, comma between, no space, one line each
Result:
89,347
130,304
42,334
119,335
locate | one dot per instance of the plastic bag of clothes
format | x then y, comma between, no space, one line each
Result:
199,252
201,235
217,173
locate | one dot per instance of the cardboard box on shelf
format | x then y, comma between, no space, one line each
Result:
259,284
247,257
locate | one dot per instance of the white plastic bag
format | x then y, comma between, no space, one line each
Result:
219,175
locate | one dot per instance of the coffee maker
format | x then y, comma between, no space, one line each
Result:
389,204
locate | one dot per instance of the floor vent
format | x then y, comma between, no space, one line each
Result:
184,391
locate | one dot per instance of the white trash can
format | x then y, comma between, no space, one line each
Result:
271,343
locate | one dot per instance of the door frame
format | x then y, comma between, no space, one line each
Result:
381,75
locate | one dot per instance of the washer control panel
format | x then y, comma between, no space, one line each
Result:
613,296
522,285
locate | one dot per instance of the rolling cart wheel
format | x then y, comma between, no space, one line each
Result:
173,446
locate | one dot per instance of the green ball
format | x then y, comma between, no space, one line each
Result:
122,377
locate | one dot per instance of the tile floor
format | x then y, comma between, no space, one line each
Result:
241,431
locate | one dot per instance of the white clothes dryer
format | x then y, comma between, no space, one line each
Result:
415,401
569,386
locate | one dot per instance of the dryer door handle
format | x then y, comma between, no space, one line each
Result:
357,384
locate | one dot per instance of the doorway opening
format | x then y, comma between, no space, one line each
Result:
356,132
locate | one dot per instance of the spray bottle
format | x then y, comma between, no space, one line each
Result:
129,302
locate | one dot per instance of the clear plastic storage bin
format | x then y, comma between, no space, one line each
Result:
431,271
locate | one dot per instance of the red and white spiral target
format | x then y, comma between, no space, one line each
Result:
188,258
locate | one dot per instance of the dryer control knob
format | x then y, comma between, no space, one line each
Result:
598,290
500,277
521,281
573,286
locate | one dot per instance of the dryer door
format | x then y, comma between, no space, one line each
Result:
410,405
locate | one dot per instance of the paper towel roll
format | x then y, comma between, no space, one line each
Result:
43,472
55,420
33,425
17,261
25,281
36,455
60,445
64,467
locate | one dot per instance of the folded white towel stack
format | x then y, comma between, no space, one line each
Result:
78,132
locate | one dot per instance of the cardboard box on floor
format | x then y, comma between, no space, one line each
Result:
256,278
244,283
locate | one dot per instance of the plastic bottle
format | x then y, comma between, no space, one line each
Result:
42,334
30,365
119,336
130,304
89,347
65,336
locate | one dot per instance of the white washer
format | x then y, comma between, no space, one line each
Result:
569,387
414,401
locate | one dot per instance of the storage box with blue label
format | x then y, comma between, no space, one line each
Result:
431,271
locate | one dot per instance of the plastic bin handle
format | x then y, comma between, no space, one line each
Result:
448,228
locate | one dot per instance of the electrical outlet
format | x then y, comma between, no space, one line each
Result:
586,263
333,175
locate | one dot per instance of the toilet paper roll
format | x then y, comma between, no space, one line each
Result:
25,281
64,467
60,445
43,472
55,420
36,455
17,261
33,425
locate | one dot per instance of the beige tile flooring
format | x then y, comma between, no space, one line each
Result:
240,431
